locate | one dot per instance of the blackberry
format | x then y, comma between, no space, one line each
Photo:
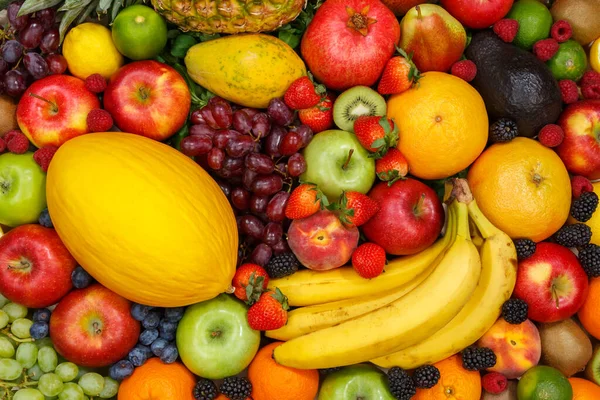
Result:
503,130
327,371
236,388
514,311
401,384
281,265
205,389
589,258
525,248
583,208
478,358
576,235
426,377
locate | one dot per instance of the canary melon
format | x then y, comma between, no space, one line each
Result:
248,69
143,219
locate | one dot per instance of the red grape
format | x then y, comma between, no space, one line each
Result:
281,247
272,233
305,133
251,225
196,118
267,185
215,158
233,164
242,122
281,168
12,51
261,255
290,144
248,178
208,117
50,41
273,141
296,165
276,206
221,138
221,112
239,146
225,187
3,66
31,36
280,112
250,111
202,129
36,65
195,145
240,198
14,83
259,163
261,125
46,17
258,204
56,63
17,22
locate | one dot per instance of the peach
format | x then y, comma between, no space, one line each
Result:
517,347
321,241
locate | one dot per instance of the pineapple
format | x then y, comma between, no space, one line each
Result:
229,16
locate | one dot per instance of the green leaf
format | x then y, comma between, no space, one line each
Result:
83,16
103,6
66,21
31,6
70,5
204,37
181,45
378,143
175,140
290,37
115,9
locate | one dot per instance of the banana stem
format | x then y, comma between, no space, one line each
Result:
486,228
462,222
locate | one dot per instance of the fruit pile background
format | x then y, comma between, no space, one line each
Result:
343,199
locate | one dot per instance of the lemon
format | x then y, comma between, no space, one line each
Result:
595,55
139,32
89,49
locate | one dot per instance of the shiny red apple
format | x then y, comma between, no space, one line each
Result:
93,327
552,283
148,98
478,14
35,265
410,217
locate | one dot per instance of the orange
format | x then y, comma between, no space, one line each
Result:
456,383
273,381
588,313
443,125
594,222
523,188
584,389
158,381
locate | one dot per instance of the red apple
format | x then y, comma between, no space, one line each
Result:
478,14
552,283
410,217
93,327
36,266
400,7
580,149
148,98
54,110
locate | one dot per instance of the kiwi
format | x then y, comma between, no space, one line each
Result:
509,394
583,15
565,346
356,102
8,118
592,371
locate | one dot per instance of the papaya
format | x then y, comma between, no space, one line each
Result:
247,69
144,220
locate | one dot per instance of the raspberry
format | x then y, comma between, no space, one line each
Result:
18,144
465,69
569,91
551,135
545,49
2,145
494,383
591,90
590,77
10,134
99,120
561,31
580,184
506,29
44,155
95,83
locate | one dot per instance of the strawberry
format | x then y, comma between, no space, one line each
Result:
320,117
304,201
250,281
376,134
399,74
269,312
368,260
392,166
355,208
303,93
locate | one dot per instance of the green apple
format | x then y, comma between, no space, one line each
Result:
22,189
336,162
214,338
361,381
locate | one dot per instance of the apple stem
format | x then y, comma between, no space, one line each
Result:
555,296
419,205
23,264
348,159
54,106
97,328
418,12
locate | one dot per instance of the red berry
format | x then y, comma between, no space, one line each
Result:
10,134
561,31
44,155
18,144
2,145
580,184
95,83
368,260
494,383
545,49
506,29
590,77
465,69
569,91
551,135
591,90
99,120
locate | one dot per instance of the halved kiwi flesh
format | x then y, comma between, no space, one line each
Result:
356,102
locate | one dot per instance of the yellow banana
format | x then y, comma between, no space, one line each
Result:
401,323
497,281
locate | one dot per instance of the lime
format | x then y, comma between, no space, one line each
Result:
139,32
534,20
544,383
569,62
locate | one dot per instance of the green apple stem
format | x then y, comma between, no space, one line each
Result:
22,264
54,106
418,12
417,208
348,159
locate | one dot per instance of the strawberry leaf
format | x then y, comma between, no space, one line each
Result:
281,298
254,288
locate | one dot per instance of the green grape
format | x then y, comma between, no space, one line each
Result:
45,342
82,372
71,391
28,394
7,350
34,373
111,388
3,300
92,383
10,369
50,385
20,328
27,354
47,359
15,311
67,371
3,319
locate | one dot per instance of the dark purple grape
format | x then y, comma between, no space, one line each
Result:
3,67
196,118
57,64
222,137
50,41
258,204
296,165
250,111
202,129
208,117
221,112
261,125
14,83
2,85
233,164
215,158
240,198
267,185
225,187
276,206
242,122
280,112
272,233
259,163
261,255
36,65
252,226
17,22
12,51
281,168
273,141
46,17
305,133
239,146
31,36
195,145
248,178
291,143
281,247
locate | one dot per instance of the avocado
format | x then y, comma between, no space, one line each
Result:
514,83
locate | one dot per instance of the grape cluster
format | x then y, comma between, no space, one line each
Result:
159,326
254,156
30,369
29,49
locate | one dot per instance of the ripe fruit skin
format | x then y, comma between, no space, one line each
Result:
156,378
477,14
128,218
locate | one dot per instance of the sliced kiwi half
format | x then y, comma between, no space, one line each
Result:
592,371
354,103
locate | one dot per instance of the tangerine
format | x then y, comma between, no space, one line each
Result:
456,383
584,389
588,313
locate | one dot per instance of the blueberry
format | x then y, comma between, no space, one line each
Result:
45,220
167,329
80,278
148,336
39,330
152,320
159,346
140,311
121,370
41,315
169,354
174,314
138,356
